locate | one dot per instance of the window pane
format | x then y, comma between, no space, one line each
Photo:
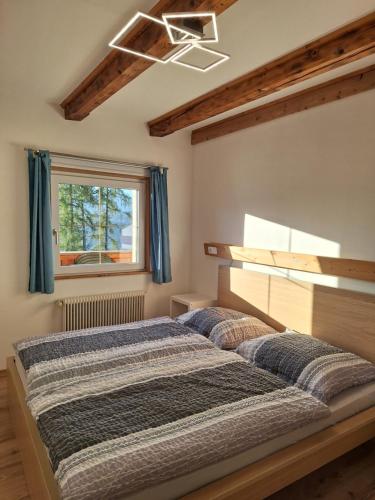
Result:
78,221
115,217
98,225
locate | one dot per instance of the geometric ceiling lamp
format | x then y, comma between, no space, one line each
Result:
185,32
220,57
131,22
191,22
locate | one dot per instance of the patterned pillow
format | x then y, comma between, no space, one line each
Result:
204,320
231,333
311,364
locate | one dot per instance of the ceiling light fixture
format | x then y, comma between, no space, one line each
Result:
221,58
190,35
130,23
186,16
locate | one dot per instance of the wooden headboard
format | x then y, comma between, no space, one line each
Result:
341,317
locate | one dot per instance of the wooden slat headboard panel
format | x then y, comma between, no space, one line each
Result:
341,317
335,266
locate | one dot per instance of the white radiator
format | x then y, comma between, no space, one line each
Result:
102,310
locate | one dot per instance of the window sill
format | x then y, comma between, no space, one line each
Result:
99,274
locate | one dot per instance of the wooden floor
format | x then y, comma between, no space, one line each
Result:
351,477
12,481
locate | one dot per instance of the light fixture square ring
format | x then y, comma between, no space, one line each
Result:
191,37
141,15
221,57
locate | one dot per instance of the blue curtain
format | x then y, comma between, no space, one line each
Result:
41,252
160,255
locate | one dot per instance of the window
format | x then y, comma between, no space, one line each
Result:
99,222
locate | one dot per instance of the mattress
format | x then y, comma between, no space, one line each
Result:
343,406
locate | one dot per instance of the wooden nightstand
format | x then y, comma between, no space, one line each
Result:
180,304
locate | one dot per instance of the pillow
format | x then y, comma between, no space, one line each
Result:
231,333
311,364
205,319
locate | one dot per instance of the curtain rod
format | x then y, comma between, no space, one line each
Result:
100,160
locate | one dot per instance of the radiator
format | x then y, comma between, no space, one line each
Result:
102,310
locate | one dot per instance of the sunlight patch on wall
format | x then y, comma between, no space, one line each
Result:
262,233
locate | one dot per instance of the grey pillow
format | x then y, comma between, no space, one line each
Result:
311,364
230,333
204,320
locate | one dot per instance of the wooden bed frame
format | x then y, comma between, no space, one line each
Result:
343,318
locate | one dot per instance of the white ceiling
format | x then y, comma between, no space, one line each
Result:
48,46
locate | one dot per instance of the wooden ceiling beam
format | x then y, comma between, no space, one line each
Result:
119,68
333,90
347,44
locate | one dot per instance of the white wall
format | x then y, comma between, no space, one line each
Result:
34,122
305,183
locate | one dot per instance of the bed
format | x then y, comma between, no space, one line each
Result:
260,467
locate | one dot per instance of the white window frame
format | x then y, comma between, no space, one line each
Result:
105,180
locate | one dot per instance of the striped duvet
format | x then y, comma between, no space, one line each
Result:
123,408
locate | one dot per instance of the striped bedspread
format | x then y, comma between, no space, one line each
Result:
124,408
